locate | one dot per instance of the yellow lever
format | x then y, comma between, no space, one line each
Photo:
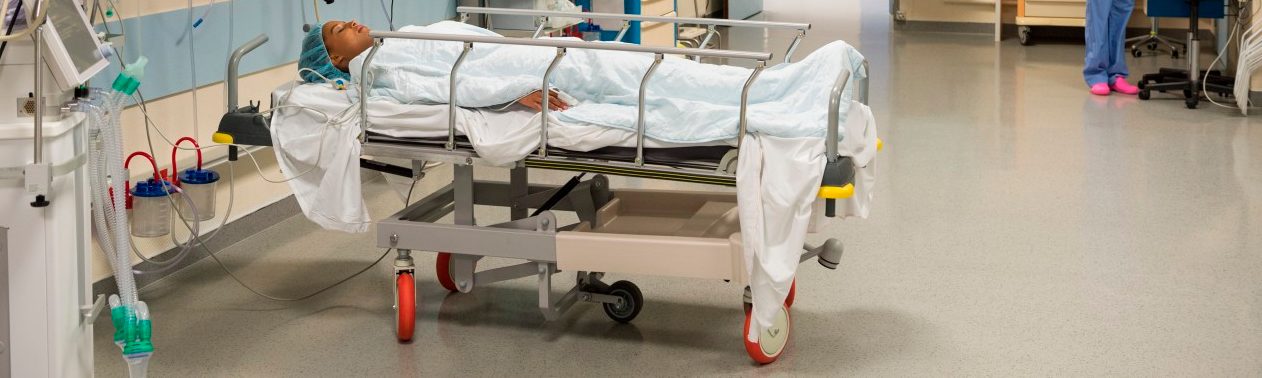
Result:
836,192
221,138
880,144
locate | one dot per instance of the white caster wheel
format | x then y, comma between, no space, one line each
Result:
771,341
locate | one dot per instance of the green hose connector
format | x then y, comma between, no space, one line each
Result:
131,332
119,316
141,345
129,80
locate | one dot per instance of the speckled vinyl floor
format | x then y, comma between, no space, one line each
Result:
1021,227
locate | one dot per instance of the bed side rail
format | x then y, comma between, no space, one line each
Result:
241,125
561,46
709,23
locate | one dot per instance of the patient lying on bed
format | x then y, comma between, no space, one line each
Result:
327,51
687,102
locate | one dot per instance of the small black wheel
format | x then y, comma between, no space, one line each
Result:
1142,84
1136,53
1144,94
1191,102
1152,46
632,302
1174,54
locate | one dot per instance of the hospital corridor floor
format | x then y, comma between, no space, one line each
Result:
1021,227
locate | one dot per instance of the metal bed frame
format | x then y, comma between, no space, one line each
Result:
706,220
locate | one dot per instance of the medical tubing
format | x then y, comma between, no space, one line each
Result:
107,173
176,148
35,23
9,28
4,10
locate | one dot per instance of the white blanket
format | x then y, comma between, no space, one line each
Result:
686,101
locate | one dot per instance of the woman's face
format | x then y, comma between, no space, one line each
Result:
345,40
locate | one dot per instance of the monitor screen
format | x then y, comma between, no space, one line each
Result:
74,53
78,39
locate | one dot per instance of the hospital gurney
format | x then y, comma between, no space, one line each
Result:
668,233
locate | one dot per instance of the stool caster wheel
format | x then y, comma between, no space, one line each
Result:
1136,53
1144,94
1191,102
1174,54
1023,35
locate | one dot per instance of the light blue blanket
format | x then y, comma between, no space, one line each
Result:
687,102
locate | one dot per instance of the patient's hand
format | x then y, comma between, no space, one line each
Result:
535,101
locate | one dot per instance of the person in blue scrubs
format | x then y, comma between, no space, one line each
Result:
1105,67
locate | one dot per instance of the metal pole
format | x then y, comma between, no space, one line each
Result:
363,88
234,62
709,34
451,98
749,83
639,120
543,119
622,32
39,94
566,43
635,17
5,343
793,46
834,119
543,22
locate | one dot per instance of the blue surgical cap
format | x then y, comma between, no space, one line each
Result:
316,57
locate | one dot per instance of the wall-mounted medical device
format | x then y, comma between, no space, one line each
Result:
75,54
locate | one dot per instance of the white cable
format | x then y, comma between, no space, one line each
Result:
1204,80
31,24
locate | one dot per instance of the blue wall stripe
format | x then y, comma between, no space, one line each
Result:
162,37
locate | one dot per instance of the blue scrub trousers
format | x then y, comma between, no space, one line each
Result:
1106,40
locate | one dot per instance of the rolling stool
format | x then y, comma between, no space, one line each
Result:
1154,39
1188,81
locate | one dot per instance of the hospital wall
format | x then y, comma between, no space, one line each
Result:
158,29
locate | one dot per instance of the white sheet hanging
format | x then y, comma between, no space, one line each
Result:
777,180
859,143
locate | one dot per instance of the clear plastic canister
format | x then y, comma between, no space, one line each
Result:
151,209
199,186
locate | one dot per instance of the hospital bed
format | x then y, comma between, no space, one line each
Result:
692,234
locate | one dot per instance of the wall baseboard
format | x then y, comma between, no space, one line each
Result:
946,27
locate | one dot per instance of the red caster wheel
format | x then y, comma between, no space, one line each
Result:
406,306
443,269
771,341
793,290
